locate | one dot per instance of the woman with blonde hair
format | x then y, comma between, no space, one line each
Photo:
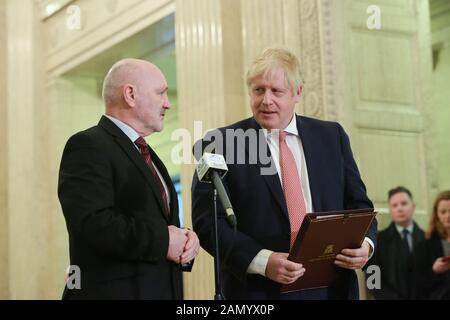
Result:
434,254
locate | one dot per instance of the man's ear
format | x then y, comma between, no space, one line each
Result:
129,94
299,90
298,93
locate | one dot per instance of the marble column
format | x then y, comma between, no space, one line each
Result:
210,89
26,180
4,243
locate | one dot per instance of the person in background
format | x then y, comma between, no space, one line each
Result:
396,248
434,254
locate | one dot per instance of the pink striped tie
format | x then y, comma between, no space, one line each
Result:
292,188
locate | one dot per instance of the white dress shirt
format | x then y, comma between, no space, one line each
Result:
259,263
133,136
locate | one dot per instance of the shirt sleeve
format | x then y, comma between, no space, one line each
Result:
259,263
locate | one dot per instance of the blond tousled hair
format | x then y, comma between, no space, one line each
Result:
273,58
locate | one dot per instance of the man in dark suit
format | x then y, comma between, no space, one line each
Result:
396,248
117,197
311,170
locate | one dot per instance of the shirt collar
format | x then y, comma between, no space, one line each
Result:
409,228
129,131
291,128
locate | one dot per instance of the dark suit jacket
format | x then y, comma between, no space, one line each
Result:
260,207
398,274
118,231
432,286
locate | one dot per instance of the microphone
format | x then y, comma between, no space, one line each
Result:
211,168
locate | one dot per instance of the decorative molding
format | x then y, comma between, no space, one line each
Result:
425,97
117,26
385,211
328,25
48,8
311,58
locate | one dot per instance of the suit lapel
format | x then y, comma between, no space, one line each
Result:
131,151
307,137
272,181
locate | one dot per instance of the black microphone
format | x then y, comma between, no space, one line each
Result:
211,168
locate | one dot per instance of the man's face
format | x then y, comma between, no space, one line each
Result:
152,102
272,100
402,208
443,213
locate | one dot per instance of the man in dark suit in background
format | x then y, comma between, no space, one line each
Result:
314,171
396,249
117,197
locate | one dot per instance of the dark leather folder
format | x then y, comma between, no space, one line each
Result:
322,236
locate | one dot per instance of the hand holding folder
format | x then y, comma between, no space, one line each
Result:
322,236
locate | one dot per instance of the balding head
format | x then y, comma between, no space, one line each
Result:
135,92
124,72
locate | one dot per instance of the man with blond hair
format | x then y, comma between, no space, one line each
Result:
117,197
314,172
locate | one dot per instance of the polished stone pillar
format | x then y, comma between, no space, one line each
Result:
26,180
4,243
210,89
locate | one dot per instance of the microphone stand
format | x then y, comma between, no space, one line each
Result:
218,280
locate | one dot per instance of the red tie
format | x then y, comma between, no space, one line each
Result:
292,188
145,152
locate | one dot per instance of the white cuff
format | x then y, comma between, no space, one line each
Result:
372,245
259,263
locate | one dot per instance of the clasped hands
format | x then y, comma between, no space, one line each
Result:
184,245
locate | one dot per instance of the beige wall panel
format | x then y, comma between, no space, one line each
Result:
388,159
382,68
387,119
385,109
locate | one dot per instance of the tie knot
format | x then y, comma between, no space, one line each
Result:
140,142
405,232
282,136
